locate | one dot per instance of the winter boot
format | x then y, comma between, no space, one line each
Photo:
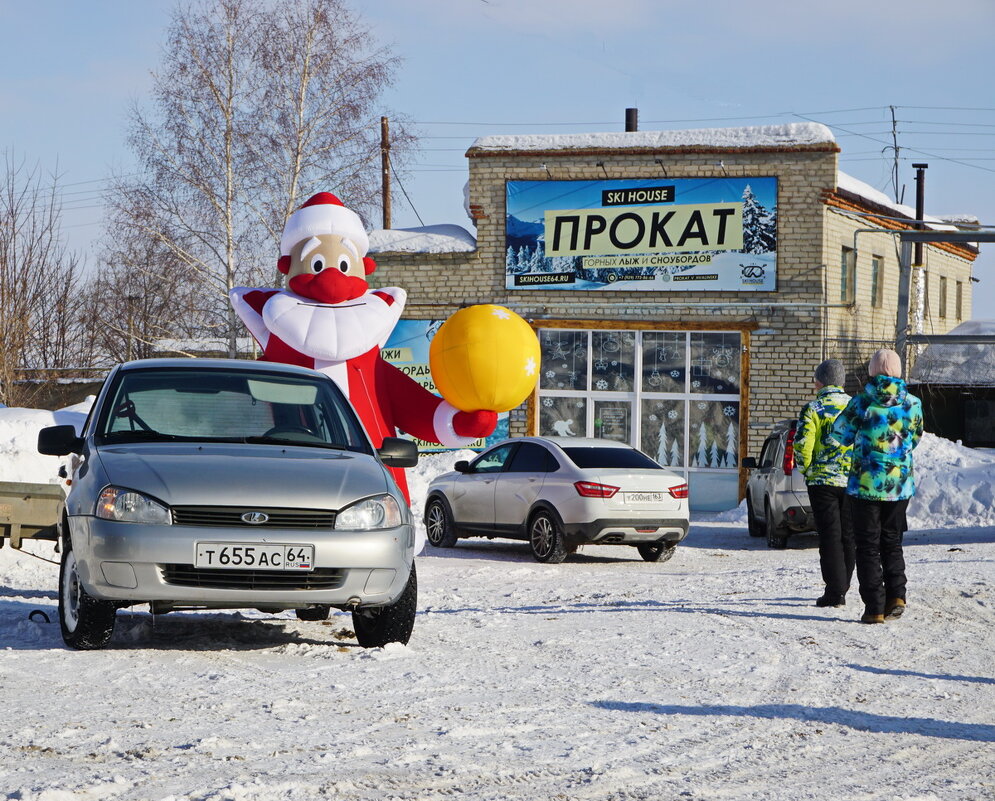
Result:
828,599
868,617
894,608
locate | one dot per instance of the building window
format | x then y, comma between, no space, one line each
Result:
959,300
675,395
848,269
877,281
943,296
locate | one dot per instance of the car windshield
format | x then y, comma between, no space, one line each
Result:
610,457
228,405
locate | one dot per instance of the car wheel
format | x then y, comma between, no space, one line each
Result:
439,527
656,551
755,529
546,539
87,623
316,612
377,626
776,538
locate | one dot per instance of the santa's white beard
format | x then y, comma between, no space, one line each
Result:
333,332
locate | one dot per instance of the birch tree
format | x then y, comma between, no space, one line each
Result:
255,106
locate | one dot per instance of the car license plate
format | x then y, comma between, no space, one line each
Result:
643,497
249,556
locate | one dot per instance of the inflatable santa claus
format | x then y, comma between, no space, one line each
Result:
330,320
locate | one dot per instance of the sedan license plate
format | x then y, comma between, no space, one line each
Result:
644,497
249,556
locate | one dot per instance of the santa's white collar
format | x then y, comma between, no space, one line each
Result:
334,332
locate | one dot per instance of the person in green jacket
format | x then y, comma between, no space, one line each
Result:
826,467
883,424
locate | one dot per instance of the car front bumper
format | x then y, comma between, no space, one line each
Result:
140,563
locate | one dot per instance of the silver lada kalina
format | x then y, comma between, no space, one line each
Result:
221,484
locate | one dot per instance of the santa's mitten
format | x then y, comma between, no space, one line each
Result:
475,424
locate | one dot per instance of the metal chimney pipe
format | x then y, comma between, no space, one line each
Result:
631,119
920,206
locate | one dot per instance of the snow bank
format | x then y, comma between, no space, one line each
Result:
19,457
955,488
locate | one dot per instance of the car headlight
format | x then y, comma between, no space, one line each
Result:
128,506
381,511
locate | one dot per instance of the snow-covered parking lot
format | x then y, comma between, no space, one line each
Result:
711,676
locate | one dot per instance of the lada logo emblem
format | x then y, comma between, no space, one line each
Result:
255,518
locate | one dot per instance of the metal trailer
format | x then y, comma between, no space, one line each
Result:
29,511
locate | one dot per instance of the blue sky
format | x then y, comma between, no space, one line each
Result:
482,67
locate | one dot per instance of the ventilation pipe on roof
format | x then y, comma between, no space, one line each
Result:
920,206
631,119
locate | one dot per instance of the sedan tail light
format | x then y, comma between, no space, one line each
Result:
789,452
591,489
679,491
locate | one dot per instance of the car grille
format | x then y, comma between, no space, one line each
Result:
325,578
232,516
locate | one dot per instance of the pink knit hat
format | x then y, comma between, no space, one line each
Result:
885,362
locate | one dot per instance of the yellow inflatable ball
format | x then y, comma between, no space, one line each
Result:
484,357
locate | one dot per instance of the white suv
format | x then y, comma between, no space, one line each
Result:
777,502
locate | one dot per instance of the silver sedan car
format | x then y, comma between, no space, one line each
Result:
558,493
217,484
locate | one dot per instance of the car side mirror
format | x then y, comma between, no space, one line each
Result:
398,452
59,441
749,462
462,466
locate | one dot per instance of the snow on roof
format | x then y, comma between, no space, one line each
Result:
867,192
430,239
958,363
761,136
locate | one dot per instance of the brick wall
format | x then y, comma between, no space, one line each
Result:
780,363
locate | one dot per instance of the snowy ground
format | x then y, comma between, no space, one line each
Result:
708,677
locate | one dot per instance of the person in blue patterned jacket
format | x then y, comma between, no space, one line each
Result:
826,467
883,424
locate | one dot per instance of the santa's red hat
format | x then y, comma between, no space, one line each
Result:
324,214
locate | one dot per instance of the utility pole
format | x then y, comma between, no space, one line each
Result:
899,195
385,169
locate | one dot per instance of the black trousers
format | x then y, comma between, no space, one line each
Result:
831,509
878,527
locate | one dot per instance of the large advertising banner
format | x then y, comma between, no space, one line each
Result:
678,234
407,349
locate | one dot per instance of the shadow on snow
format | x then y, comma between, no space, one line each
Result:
860,721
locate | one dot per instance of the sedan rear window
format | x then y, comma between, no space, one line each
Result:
610,457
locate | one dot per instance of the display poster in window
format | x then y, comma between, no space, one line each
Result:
673,235
407,349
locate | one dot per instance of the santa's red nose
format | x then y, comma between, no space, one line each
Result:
328,286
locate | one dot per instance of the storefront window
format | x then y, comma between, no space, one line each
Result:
675,395
613,365
663,431
564,359
714,434
612,420
664,361
563,417
715,363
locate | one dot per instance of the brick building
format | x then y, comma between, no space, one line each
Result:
684,284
